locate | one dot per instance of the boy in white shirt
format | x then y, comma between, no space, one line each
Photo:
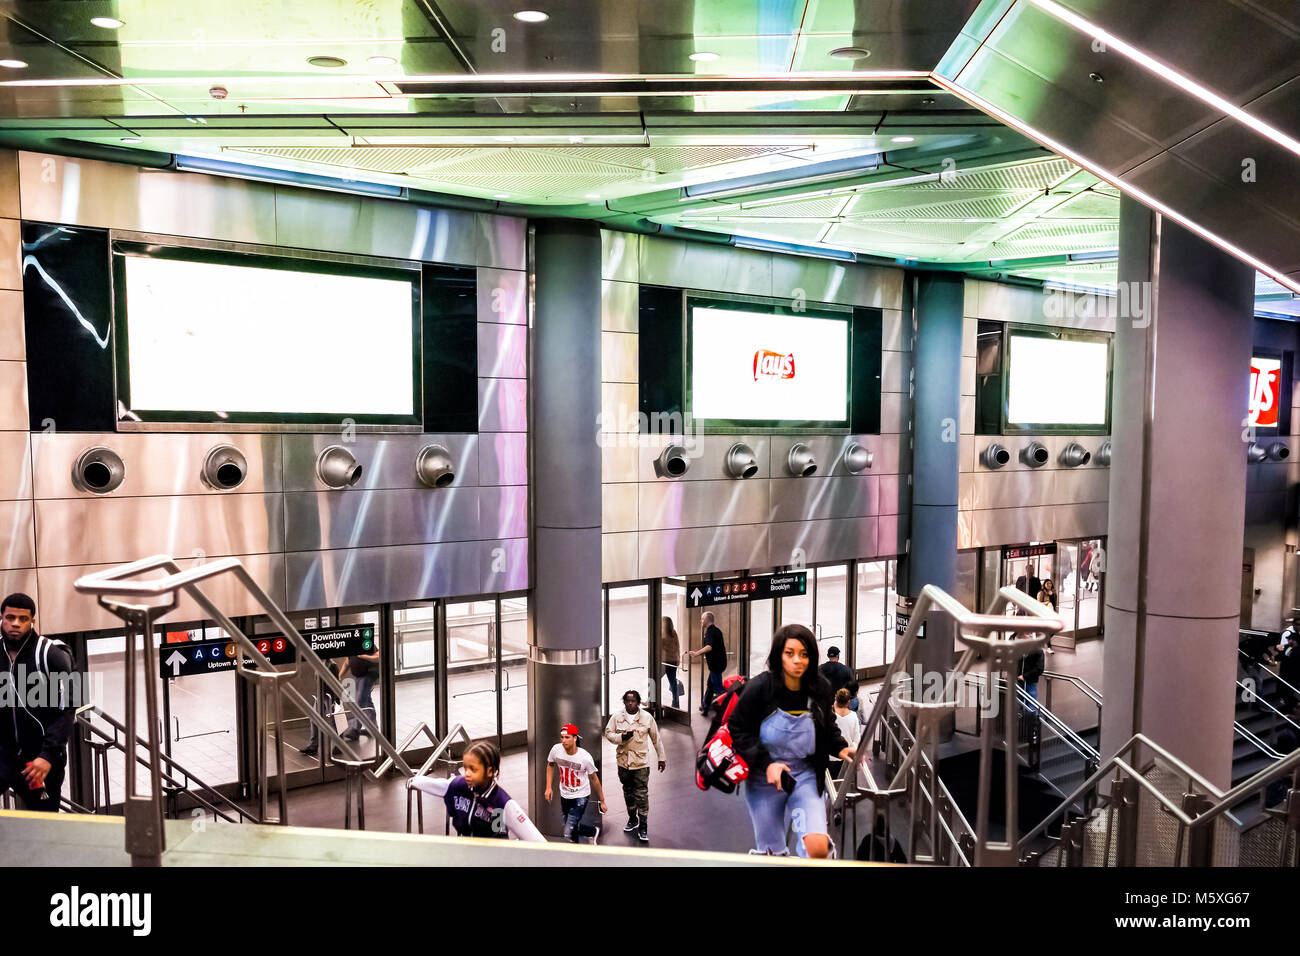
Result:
578,776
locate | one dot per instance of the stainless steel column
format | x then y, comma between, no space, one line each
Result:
936,411
1177,492
564,605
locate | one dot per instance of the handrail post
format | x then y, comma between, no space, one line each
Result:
1125,796
1200,838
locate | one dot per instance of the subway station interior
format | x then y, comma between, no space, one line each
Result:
383,378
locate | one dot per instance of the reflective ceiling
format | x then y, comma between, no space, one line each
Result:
602,111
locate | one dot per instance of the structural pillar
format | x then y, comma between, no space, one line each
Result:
935,426
564,670
1183,337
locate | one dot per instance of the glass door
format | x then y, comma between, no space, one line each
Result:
627,642
874,616
674,690
471,629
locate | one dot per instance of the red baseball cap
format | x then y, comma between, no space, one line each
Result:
570,729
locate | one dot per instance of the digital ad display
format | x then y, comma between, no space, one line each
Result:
752,366
214,337
1057,381
1265,392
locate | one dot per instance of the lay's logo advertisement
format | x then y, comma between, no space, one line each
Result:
1265,382
769,364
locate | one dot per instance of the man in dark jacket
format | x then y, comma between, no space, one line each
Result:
35,690
840,677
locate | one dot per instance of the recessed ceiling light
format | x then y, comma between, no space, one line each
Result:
850,53
381,60
501,196
328,62
705,56
903,139
108,23
13,64
532,16
132,139
593,195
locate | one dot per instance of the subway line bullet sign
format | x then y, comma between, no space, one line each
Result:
757,588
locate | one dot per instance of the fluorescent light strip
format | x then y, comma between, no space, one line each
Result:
777,245
223,167
480,79
1167,72
1015,123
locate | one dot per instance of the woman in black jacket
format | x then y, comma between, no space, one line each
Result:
784,728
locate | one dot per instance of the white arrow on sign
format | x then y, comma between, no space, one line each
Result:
176,660
695,596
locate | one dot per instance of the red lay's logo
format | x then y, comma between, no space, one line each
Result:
773,365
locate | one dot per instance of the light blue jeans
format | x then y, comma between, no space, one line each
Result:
790,740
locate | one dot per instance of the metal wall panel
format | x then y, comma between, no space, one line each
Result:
11,271
86,192
13,396
966,453
618,508
17,535
112,530
319,520
501,241
620,304
16,473
896,332
503,296
503,458
619,406
892,535
694,265
1080,520
619,256
160,463
503,405
387,461
618,357
895,372
817,541
502,351
895,413
69,610
13,345
619,557
621,462
694,504
828,451
9,206
312,219
1007,525
378,575
505,565
503,511
805,499
893,495
23,581
824,280
968,382
702,550
970,329
707,457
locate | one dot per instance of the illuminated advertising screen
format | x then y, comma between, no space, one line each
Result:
760,367
1057,381
1265,392
213,336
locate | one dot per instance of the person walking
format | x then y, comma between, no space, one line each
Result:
34,738
784,728
578,777
670,653
714,650
848,723
632,730
840,676
1047,596
476,804
363,669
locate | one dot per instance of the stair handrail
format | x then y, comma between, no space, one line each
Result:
1274,674
1029,629
120,746
1257,699
1256,741
1079,684
145,836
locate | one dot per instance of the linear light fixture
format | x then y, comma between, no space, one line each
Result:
538,81
974,99
1102,255
781,178
1167,72
223,167
793,248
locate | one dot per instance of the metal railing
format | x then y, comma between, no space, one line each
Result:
145,836
1031,627
175,775
1050,678
458,731
1132,775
